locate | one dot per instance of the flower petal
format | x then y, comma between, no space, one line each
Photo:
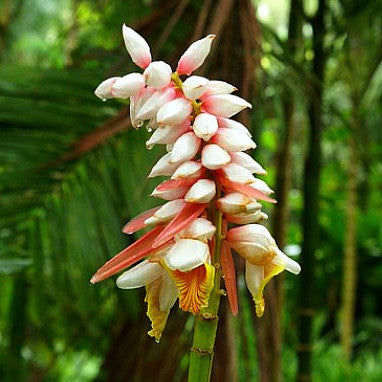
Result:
187,254
194,287
168,293
130,255
214,157
200,229
189,169
229,275
205,126
195,55
142,274
218,87
103,90
237,173
137,47
167,134
128,85
282,260
247,162
185,148
244,189
174,112
224,105
189,213
158,74
256,278
227,123
233,140
203,191
193,87
138,222
166,212
164,166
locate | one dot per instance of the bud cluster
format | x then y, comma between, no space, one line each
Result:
207,166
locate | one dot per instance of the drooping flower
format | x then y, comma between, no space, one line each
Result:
208,170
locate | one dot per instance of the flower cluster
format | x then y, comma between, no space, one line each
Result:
208,168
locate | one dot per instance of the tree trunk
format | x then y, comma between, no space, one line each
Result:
311,199
350,247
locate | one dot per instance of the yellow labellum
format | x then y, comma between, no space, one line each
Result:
157,316
194,287
270,270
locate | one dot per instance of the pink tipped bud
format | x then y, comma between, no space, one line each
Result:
247,162
158,74
174,112
163,167
185,148
233,140
236,203
137,47
203,191
218,87
237,173
200,229
193,87
189,169
214,157
205,126
225,105
103,90
195,55
128,85
232,124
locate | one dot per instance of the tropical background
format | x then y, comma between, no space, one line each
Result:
72,172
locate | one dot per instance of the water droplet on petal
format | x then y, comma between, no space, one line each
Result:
139,124
149,146
149,129
157,340
104,99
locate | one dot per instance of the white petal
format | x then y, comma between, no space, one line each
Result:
225,105
234,203
189,169
228,123
158,74
137,47
166,212
163,167
128,85
246,218
251,232
168,293
195,55
149,108
103,90
233,140
284,261
254,275
176,193
236,173
247,162
166,134
187,254
203,191
174,112
214,157
200,229
261,186
140,275
185,148
193,87
218,87
205,126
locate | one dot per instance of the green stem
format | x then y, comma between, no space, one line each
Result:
206,322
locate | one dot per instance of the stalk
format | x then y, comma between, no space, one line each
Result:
206,323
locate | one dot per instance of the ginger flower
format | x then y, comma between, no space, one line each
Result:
208,170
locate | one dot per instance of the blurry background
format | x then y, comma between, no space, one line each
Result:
72,172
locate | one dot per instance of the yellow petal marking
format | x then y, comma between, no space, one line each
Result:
194,287
157,316
270,270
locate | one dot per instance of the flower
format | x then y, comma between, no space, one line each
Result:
208,170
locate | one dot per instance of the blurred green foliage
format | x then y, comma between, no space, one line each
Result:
60,220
